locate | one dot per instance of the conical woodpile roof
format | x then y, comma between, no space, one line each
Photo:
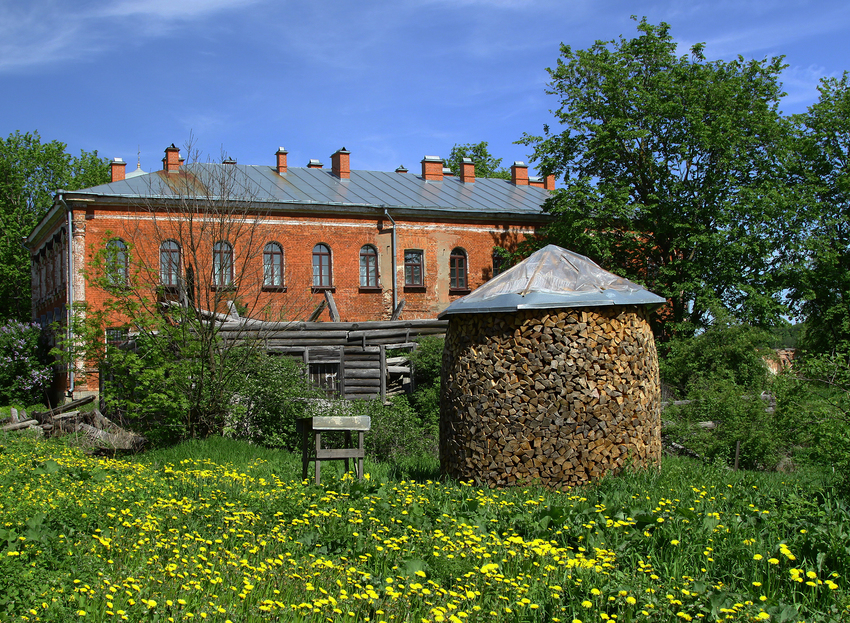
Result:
553,278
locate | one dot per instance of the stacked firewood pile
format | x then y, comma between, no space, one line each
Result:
100,432
556,397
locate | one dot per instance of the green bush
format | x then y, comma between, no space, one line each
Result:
427,362
724,352
723,372
739,417
397,434
141,390
818,391
271,396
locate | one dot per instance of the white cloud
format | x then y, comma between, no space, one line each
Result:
172,9
48,32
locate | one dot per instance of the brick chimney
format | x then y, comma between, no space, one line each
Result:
519,173
549,182
229,161
340,163
314,164
467,171
117,169
432,168
401,169
281,159
171,162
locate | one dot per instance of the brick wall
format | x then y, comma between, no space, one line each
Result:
297,235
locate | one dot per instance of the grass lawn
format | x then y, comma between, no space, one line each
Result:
223,531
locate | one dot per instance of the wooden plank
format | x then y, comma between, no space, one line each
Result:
362,364
317,341
294,336
324,454
353,384
329,299
339,422
317,312
19,425
397,310
359,374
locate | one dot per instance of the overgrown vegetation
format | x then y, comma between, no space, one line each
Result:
25,373
221,530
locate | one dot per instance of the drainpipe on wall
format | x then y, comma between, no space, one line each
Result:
395,262
69,306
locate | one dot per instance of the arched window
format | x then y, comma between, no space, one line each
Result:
368,266
322,266
457,270
169,263
116,262
222,264
273,265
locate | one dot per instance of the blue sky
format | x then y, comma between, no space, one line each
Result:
391,81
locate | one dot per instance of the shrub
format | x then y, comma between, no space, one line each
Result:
818,390
271,396
724,352
25,372
397,434
738,417
723,372
427,361
141,390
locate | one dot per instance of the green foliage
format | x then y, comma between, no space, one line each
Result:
397,436
142,390
25,371
427,362
819,388
740,417
673,172
485,164
271,396
727,351
722,371
819,270
30,172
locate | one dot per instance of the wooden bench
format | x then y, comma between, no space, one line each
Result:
311,449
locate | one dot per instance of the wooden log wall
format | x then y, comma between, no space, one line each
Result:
554,397
358,347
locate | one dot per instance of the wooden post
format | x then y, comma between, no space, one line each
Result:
397,310
360,458
305,452
347,445
329,298
383,355
318,462
737,454
342,372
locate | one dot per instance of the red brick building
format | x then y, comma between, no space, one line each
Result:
272,240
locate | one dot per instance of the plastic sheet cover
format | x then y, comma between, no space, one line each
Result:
553,278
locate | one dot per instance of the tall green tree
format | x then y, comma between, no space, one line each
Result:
670,166
820,277
30,172
486,165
